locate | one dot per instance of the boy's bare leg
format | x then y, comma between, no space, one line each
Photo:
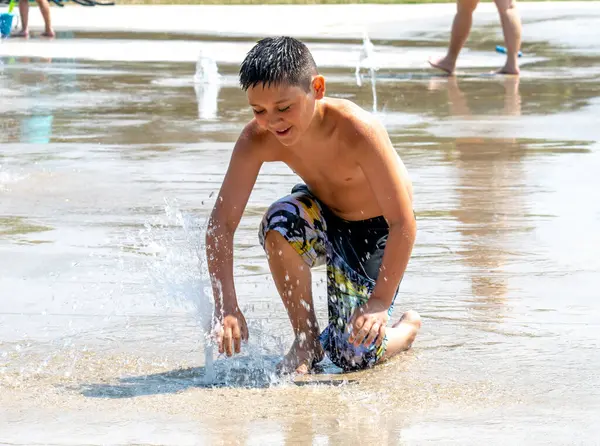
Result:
402,334
294,282
461,27
24,13
511,27
45,10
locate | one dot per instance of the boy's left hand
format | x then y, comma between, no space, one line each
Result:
368,322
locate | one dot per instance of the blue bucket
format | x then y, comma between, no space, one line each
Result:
6,21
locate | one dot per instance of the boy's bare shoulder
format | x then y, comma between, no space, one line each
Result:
257,142
353,123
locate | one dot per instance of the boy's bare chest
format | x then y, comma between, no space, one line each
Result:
320,165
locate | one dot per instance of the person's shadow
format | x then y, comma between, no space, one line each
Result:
242,372
250,372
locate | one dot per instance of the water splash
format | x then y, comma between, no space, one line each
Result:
7,178
207,83
367,59
178,270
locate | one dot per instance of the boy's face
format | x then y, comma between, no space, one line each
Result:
285,110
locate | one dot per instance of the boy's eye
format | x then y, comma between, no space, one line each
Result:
258,112
285,108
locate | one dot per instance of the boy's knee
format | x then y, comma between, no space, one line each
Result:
273,240
504,6
279,219
278,247
467,6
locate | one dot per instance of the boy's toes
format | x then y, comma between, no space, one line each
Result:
411,317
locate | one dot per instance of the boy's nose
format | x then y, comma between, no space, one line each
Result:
274,121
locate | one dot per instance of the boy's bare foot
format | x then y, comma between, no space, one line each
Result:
410,317
49,33
301,359
23,33
402,334
443,63
509,69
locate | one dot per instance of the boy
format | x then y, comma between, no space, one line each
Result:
511,27
353,213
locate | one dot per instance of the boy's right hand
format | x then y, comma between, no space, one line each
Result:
230,331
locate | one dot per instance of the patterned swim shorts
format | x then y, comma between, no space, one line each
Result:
352,252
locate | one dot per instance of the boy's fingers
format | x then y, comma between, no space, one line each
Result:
372,334
237,338
219,338
227,341
355,326
363,332
381,336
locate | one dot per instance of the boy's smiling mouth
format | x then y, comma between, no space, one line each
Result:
283,132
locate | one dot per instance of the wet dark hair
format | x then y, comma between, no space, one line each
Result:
278,61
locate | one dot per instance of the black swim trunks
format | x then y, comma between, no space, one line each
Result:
352,252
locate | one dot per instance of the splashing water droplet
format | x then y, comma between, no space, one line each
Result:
207,83
367,59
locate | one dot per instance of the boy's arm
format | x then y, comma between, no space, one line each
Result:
388,179
237,186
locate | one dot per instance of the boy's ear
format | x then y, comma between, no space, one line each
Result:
318,86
